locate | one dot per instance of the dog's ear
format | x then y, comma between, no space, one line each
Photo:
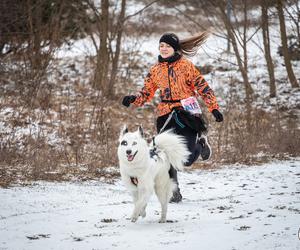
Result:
124,130
141,131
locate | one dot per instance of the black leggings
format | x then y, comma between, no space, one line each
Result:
190,136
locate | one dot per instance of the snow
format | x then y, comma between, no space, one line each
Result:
235,207
78,47
34,128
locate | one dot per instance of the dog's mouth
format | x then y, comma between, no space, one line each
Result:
131,157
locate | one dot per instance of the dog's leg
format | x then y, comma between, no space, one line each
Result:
143,213
134,196
164,208
164,194
135,200
141,203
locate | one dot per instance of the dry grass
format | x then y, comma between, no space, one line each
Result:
73,136
89,137
68,131
267,136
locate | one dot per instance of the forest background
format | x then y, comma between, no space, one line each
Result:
66,65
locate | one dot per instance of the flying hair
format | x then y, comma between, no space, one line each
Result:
189,46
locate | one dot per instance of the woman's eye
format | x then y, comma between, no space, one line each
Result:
134,143
124,143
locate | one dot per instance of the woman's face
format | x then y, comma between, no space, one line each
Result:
165,50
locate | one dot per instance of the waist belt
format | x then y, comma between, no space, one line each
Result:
170,101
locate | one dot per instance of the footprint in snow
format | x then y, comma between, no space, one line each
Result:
243,228
38,236
108,220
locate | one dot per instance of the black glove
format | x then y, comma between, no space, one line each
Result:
128,99
217,114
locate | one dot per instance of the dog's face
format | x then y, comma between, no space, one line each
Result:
132,147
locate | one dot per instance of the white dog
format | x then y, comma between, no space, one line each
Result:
145,168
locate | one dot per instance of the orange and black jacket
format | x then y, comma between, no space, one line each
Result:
176,81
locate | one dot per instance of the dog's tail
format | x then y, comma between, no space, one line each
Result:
174,146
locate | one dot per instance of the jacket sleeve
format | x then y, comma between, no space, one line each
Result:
203,89
147,92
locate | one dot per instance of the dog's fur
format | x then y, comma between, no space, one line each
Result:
145,168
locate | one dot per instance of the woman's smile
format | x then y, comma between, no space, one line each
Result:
165,50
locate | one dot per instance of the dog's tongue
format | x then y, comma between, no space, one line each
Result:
130,157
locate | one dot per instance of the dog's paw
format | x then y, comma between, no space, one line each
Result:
143,214
134,216
162,220
134,219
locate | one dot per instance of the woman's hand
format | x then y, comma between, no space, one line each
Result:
127,100
218,115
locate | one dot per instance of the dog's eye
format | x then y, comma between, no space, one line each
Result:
134,143
124,143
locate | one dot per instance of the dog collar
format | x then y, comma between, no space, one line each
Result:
134,180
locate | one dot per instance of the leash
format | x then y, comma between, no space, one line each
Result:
153,151
167,121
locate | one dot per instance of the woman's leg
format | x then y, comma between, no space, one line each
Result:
195,149
189,135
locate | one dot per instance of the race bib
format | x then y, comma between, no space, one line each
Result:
191,104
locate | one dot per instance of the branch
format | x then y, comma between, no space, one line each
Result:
140,11
257,29
195,22
258,46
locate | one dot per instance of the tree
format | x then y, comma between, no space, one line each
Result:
109,28
286,55
109,46
101,73
266,41
116,55
294,14
237,40
30,32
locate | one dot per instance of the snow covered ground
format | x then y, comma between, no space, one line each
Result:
236,207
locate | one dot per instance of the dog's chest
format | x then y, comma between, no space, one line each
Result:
133,171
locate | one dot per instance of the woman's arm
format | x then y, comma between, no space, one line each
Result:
147,92
204,90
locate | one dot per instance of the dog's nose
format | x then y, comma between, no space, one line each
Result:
128,152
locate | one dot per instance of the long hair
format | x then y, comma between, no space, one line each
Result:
189,46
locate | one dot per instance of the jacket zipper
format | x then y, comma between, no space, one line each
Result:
169,82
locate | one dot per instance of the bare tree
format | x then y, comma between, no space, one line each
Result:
116,54
108,49
286,55
294,14
101,72
236,40
266,41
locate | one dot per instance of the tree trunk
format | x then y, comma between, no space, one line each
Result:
295,17
249,90
34,23
101,73
228,7
266,41
116,56
297,22
285,51
242,66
